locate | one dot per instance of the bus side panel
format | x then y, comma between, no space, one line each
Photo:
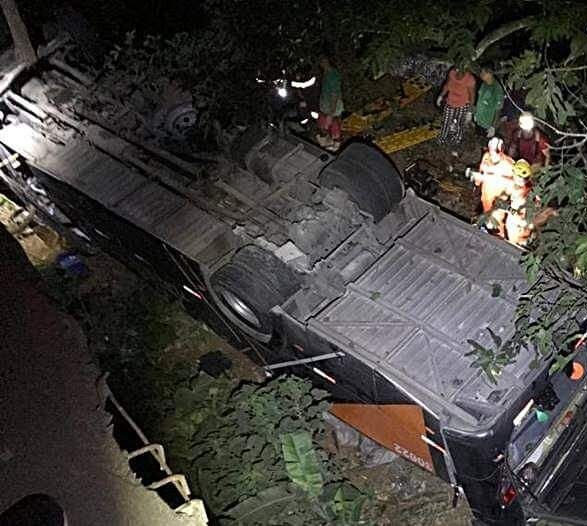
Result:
144,254
123,240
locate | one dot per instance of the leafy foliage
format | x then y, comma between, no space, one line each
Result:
270,502
301,463
253,453
492,360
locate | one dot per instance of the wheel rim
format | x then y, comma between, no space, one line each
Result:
240,308
181,120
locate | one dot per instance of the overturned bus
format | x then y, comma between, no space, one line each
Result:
323,266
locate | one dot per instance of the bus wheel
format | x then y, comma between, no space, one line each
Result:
369,178
249,286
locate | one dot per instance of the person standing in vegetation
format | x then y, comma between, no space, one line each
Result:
459,90
489,102
331,106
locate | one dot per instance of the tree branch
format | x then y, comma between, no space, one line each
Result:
23,47
543,122
573,68
500,33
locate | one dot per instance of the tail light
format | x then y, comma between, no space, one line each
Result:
507,492
507,495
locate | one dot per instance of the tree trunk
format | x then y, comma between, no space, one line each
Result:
23,47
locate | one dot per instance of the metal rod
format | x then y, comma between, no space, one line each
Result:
301,361
157,451
179,481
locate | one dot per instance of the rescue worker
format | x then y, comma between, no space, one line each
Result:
331,106
519,230
529,143
307,93
517,227
489,102
459,90
494,177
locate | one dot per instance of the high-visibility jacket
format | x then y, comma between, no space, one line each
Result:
517,227
495,179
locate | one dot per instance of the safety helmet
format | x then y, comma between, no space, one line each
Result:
495,144
522,169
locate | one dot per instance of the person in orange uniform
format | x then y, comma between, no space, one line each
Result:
517,227
495,177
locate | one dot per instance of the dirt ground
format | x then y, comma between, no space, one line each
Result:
405,495
39,242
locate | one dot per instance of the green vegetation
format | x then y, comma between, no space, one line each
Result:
252,450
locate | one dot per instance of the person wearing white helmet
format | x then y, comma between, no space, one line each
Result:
494,176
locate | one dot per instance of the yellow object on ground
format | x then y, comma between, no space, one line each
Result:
449,186
354,124
373,113
413,89
406,138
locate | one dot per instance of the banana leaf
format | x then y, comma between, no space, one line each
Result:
301,462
